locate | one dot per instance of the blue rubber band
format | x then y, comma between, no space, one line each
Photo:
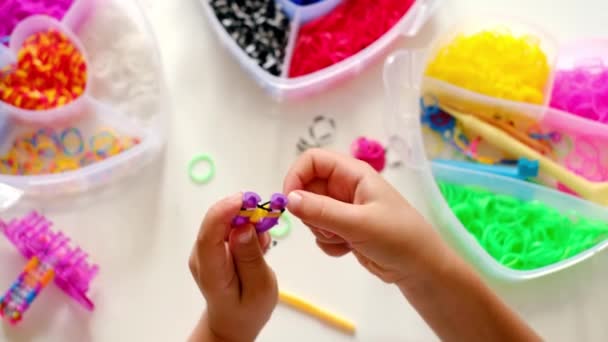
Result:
64,134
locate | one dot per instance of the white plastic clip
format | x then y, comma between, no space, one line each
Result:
8,196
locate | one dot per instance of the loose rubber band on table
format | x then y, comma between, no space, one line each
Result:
205,177
283,229
317,141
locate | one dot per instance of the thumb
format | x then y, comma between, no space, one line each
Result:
249,260
340,218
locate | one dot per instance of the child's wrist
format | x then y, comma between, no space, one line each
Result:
433,270
215,332
203,332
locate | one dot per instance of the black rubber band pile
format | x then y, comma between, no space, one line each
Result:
259,27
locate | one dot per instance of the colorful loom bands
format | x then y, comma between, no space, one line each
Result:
494,63
349,28
13,11
583,91
521,235
49,151
50,73
34,278
259,27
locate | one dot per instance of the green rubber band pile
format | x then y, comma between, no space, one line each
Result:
521,235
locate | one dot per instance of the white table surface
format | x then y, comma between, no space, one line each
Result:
142,232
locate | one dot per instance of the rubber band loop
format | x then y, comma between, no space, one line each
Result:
283,228
104,149
64,136
204,177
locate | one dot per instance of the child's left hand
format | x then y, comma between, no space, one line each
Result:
229,267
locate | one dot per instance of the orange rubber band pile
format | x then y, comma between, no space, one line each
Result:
50,73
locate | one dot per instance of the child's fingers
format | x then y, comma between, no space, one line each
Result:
325,165
324,235
249,260
210,249
322,212
334,250
264,240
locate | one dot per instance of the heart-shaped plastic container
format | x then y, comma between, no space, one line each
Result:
25,29
113,130
283,87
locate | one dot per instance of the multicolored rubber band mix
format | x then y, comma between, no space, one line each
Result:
50,73
264,216
47,151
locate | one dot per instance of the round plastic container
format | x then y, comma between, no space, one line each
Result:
128,98
284,88
402,73
473,102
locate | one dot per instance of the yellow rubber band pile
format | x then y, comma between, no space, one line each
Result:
494,63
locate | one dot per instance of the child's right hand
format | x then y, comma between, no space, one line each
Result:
351,208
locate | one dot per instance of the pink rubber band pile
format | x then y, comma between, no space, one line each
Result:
14,11
348,29
583,91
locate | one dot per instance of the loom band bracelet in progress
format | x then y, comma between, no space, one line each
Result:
202,177
283,228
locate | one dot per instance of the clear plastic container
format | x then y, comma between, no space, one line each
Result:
402,73
128,98
26,28
283,88
558,56
473,102
95,116
581,140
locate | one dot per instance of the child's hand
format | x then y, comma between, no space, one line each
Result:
350,207
229,267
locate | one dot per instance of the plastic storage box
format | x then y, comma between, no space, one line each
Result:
88,24
473,102
282,87
402,75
